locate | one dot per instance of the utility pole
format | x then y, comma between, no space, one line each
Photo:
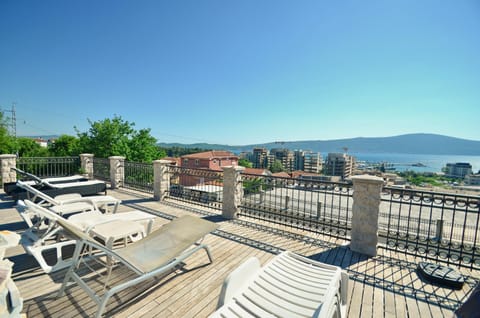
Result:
13,120
13,123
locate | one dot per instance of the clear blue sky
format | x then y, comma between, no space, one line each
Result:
243,72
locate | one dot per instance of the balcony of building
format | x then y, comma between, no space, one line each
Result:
311,218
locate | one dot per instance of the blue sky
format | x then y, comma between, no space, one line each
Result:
243,72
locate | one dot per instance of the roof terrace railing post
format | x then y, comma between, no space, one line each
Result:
161,179
232,191
366,205
6,163
117,171
86,164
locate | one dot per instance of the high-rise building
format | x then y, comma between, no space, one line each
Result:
339,164
285,156
458,169
298,161
260,158
312,162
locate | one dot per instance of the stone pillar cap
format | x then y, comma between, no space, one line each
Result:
367,178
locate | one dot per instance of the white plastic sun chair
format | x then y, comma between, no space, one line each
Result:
72,202
288,286
43,237
156,254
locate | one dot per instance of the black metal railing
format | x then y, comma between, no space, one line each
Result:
197,186
317,206
138,176
435,226
49,166
101,169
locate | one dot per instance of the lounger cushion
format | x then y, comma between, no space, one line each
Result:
166,243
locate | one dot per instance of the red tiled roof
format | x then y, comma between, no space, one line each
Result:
299,173
256,171
210,155
173,159
281,174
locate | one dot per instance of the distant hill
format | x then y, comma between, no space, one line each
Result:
412,144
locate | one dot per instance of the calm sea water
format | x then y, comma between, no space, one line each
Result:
432,163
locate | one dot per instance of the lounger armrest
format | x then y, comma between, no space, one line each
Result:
238,279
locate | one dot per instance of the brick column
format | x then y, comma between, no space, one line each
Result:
117,171
366,206
86,164
6,163
232,191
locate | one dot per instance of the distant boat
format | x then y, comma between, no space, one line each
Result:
418,164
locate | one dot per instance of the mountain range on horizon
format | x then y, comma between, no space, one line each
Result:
421,143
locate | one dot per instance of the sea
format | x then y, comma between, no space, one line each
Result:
416,162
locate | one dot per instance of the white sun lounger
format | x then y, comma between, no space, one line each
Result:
288,286
43,237
149,258
72,202
35,180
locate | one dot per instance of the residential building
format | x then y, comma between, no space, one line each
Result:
299,157
472,179
339,164
209,160
260,158
285,156
458,170
312,162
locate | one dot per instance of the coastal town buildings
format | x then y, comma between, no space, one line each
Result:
458,170
308,161
472,179
339,164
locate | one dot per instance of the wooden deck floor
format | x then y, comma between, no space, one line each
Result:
382,286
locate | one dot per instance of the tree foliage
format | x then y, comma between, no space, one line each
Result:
117,137
27,147
181,151
65,146
277,166
245,163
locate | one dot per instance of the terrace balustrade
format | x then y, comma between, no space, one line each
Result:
441,227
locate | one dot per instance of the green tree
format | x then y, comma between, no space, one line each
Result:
143,147
64,146
27,147
245,163
117,137
277,166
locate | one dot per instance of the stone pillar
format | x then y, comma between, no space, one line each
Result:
232,191
161,179
6,163
366,205
117,171
86,164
